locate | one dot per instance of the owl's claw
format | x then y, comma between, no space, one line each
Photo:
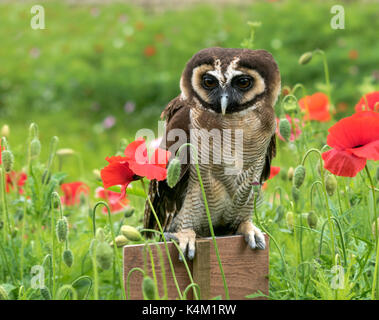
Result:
186,239
253,236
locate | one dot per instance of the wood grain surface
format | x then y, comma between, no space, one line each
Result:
246,270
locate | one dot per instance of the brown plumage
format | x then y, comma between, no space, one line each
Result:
232,92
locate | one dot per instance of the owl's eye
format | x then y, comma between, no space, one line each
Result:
209,82
243,82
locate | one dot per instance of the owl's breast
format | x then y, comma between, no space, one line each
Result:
231,140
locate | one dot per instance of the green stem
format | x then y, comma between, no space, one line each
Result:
374,293
128,279
326,72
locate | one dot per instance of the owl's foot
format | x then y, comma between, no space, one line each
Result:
186,239
253,236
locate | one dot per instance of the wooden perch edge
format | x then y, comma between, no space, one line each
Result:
246,270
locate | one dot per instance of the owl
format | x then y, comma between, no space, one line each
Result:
226,110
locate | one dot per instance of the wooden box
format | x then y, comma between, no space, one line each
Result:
246,270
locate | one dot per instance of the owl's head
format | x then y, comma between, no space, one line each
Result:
231,80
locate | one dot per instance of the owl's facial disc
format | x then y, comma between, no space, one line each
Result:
227,92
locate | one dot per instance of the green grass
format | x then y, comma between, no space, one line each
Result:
91,62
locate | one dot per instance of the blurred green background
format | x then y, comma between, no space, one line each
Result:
98,73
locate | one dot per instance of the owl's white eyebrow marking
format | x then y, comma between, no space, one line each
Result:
232,71
217,72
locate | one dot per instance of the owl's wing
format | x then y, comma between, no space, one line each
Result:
168,201
271,153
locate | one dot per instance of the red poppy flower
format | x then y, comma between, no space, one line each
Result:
372,102
293,136
273,172
116,204
135,164
72,192
354,140
13,178
316,107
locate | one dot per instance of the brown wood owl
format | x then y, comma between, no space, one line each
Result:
225,110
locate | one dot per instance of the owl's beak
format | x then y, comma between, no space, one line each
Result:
224,103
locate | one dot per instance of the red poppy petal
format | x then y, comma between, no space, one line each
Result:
274,171
136,151
372,99
118,159
369,151
116,174
160,157
342,163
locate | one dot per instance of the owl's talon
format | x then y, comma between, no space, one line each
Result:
253,236
186,239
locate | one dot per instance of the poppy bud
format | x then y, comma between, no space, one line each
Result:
305,58
62,229
104,255
279,213
299,176
375,225
290,220
131,233
100,235
5,131
290,106
128,212
330,184
312,219
8,159
295,194
35,148
148,288
173,172
120,241
3,294
68,257
290,173
285,129
45,293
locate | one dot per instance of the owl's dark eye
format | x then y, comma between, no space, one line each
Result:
243,82
209,82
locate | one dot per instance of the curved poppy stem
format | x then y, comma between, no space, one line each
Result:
128,278
331,229
208,214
